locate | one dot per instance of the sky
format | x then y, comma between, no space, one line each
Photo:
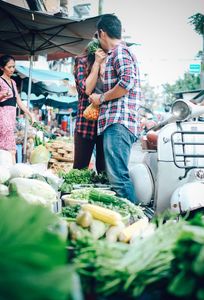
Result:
168,43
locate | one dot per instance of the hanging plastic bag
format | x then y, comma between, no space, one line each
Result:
91,112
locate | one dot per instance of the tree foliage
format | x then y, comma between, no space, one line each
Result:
190,82
197,21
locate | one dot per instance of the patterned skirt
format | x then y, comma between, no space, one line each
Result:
7,127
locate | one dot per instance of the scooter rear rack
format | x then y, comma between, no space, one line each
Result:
188,149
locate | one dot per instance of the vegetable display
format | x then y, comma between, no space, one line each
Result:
121,269
81,177
33,191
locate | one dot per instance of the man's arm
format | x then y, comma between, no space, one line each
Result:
123,65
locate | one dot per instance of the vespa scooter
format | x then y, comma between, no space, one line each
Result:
171,175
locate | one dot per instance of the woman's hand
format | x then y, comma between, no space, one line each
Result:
95,99
6,94
100,56
32,118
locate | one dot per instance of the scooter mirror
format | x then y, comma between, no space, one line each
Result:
180,110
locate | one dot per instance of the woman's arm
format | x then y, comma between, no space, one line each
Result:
91,80
24,108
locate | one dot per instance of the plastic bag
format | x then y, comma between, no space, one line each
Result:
91,112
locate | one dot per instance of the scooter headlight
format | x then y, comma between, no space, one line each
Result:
180,110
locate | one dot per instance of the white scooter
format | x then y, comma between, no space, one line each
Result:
172,176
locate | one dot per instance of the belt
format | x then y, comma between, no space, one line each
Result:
8,102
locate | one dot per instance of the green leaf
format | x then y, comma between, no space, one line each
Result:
32,254
182,286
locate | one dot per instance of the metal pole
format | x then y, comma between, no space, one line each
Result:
100,7
28,105
202,65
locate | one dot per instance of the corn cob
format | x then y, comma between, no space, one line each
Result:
133,229
103,214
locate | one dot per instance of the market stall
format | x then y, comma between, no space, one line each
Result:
115,251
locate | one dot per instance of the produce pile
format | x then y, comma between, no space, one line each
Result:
167,264
110,244
119,254
62,155
82,178
19,178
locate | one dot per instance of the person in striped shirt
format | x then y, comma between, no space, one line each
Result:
118,119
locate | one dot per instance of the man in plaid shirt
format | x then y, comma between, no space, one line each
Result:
118,120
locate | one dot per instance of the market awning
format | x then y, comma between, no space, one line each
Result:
63,102
45,81
43,75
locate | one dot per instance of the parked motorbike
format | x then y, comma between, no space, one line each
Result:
171,175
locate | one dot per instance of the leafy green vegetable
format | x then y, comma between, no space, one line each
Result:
32,253
188,265
47,134
93,46
71,211
129,269
84,176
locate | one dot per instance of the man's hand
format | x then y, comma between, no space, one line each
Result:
95,99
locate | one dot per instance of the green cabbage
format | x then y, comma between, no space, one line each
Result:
40,155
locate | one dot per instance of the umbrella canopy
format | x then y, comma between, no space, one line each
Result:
25,32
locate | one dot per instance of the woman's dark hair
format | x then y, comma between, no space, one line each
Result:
111,25
4,59
89,61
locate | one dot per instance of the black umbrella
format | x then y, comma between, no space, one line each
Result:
26,32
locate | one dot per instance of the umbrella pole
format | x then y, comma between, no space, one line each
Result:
28,105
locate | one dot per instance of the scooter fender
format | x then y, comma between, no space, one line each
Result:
188,197
143,183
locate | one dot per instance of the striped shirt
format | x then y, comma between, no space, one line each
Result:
121,69
88,129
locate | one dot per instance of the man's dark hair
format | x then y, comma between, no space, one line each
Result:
111,25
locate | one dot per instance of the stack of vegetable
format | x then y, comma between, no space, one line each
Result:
168,264
17,178
80,177
129,212
61,155
103,222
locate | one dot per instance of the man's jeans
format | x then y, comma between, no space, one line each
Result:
117,142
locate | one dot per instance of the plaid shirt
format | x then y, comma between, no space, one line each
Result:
121,69
88,129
